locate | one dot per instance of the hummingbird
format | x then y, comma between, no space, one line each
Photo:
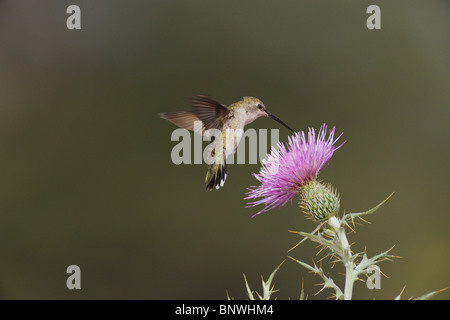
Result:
215,115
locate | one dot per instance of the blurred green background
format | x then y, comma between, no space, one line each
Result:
85,167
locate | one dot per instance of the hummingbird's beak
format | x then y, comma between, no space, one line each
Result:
278,120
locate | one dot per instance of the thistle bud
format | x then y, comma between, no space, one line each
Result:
318,201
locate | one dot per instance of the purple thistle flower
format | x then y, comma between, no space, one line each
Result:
286,170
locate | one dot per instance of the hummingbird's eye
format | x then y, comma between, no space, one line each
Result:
260,107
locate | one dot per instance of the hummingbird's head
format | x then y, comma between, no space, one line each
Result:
255,108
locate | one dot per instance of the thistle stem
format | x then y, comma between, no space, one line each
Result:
347,257
348,289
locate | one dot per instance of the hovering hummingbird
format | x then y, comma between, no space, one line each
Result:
214,115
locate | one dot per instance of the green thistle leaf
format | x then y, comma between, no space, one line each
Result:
352,216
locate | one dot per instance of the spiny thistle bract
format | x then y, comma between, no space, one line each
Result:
318,201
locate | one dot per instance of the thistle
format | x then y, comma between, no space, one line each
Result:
293,170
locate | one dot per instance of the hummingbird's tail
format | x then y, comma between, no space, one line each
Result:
216,175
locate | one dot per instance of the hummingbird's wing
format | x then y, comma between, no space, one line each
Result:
212,113
183,119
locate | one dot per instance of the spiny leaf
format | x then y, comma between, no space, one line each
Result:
305,238
400,294
268,288
330,244
430,294
267,285
249,291
366,262
307,266
328,282
351,216
302,293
